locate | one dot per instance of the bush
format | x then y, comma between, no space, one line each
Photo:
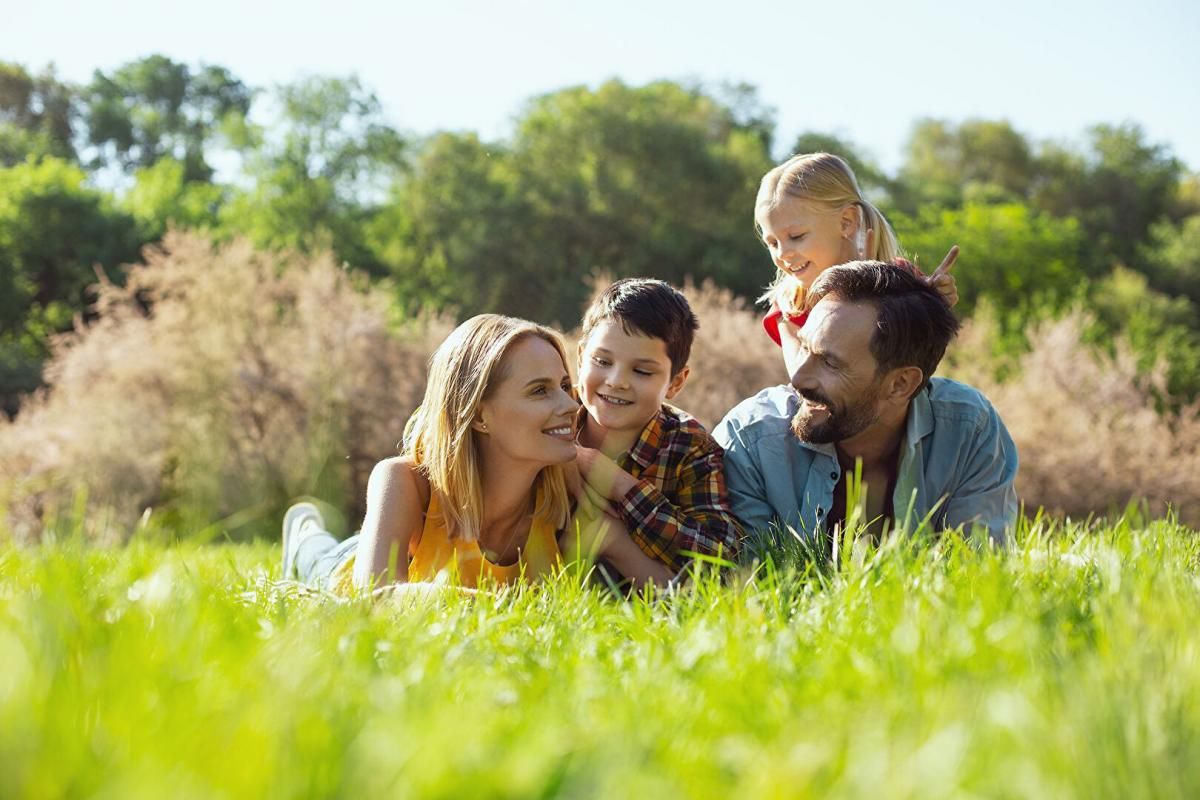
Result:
1085,421
252,379
255,378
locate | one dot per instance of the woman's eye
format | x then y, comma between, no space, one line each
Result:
599,362
643,372
797,237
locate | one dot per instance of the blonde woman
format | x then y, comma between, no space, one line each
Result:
478,493
811,216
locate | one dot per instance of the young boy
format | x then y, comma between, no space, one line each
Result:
647,465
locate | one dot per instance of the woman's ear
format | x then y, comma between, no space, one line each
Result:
479,426
677,381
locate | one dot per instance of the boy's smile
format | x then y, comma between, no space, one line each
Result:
624,378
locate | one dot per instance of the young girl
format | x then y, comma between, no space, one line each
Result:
811,215
478,492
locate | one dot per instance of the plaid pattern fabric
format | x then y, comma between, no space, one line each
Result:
679,504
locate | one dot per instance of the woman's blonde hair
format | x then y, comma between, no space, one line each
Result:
439,436
824,180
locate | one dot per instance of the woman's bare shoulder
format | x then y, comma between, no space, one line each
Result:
400,472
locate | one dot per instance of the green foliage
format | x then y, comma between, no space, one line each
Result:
621,180
155,107
36,115
317,179
1117,188
1018,258
1161,329
871,177
53,231
163,197
1064,668
948,163
1172,257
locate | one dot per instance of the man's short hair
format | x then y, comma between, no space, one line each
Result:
647,307
914,325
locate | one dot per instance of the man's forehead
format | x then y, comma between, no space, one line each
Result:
836,321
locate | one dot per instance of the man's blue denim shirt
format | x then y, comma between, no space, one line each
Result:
956,461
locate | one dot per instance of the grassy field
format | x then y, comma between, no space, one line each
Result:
1068,667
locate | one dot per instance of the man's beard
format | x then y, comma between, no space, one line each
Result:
840,423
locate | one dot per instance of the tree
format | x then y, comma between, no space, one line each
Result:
321,174
1118,188
155,107
946,164
53,230
454,236
1018,257
869,175
656,180
1172,259
37,115
161,197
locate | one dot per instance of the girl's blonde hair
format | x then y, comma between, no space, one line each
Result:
439,437
824,180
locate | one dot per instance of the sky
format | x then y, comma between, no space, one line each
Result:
862,69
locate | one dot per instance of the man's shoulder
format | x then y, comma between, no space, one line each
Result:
768,413
954,401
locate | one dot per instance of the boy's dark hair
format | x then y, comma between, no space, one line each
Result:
915,323
647,307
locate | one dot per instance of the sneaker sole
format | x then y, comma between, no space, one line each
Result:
295,512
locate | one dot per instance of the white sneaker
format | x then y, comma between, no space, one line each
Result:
301,521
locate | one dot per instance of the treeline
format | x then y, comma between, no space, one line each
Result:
651,180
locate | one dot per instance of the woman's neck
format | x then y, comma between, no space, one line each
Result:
508,497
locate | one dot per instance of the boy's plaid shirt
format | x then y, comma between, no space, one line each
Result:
680,503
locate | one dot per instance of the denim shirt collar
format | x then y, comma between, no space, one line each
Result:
910,491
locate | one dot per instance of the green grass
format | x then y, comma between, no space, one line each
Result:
1068,667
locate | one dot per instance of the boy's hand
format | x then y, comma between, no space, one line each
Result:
593,527
602,474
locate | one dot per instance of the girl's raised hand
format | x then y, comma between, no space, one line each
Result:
943,281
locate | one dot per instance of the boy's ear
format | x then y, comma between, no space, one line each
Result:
677,381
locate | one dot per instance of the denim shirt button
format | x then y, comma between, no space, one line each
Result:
833,475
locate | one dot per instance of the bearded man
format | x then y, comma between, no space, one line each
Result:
861,390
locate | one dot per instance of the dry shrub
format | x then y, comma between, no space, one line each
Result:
732,358
260,377
254,378
1086,426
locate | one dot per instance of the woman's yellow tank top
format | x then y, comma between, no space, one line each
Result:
435,557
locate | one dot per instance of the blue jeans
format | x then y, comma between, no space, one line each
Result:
319,555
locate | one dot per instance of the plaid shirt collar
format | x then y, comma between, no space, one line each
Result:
645,450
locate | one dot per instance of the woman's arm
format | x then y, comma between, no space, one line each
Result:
397,496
